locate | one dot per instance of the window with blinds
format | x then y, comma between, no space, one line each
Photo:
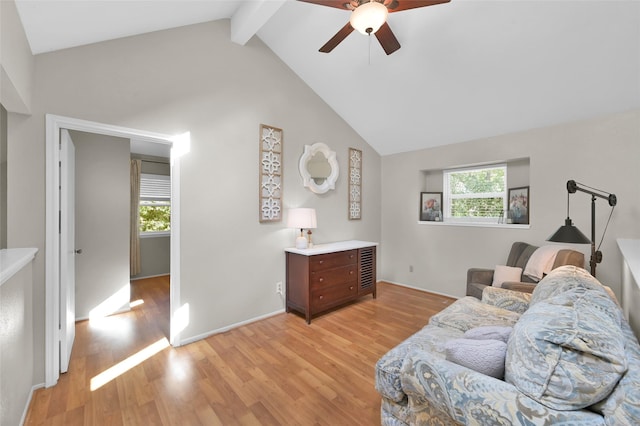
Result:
155,204
476,194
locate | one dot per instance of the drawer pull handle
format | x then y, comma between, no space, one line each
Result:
350,272
321,279
321,262
351,288
321,297
351,257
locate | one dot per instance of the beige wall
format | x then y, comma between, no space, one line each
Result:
601,152
102,220
3,177
16,345
16,61
194,79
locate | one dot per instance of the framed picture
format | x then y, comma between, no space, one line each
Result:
519,205
431,206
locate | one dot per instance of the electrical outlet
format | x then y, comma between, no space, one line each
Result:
410,268
279,287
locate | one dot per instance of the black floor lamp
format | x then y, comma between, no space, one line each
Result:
568,233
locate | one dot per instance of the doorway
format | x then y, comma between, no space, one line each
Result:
54,124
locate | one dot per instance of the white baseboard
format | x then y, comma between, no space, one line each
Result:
26,407
119,311
148,276
420,289
230,327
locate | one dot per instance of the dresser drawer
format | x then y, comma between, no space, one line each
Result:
321,279
333,260
332,295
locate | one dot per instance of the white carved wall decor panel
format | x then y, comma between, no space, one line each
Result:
355,184
270,174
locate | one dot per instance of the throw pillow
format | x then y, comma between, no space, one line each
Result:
505,273
484,356
489,332
568,352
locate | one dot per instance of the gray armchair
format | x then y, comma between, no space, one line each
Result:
479,278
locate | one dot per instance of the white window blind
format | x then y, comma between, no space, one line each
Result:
155,188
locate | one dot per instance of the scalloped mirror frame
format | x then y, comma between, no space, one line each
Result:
330,181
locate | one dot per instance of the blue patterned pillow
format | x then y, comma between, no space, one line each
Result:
567,352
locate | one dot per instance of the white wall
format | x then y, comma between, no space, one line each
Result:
194,79
102,221
603,153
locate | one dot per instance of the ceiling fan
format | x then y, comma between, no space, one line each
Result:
370,16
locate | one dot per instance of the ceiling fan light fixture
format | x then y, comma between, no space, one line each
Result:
369,17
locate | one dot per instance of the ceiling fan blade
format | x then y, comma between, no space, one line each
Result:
338,4
400,5
387,39
337,39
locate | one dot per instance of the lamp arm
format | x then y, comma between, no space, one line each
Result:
572,187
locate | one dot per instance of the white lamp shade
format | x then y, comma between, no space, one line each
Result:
302,218
369,15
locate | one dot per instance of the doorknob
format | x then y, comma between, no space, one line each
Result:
79,251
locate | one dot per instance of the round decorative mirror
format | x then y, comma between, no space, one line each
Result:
319,168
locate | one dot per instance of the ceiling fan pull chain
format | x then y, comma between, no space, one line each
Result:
369,48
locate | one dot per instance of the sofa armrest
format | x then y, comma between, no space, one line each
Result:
519,286
480,276
432,383
477,280
514,301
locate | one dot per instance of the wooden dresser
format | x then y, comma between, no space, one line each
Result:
329,275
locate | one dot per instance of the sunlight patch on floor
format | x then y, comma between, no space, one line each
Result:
123,366
136,303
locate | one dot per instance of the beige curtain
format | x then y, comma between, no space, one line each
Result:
135,218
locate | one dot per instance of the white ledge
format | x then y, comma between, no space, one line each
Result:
630,250
476,224
13,260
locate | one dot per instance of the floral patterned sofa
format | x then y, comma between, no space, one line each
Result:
570,359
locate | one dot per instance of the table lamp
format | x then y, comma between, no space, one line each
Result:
302,218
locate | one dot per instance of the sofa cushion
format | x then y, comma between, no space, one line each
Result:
468,312
485,356
622,406
514,301
504,273
567,351
563,279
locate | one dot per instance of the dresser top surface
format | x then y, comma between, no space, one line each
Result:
331,247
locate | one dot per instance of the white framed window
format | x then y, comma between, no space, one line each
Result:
155,205
475,194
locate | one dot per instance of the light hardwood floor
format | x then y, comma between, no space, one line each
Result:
278,371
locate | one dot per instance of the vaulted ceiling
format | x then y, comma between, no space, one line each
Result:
467,69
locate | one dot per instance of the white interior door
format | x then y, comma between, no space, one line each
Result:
67,324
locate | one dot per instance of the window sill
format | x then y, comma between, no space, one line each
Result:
155,234
476,224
